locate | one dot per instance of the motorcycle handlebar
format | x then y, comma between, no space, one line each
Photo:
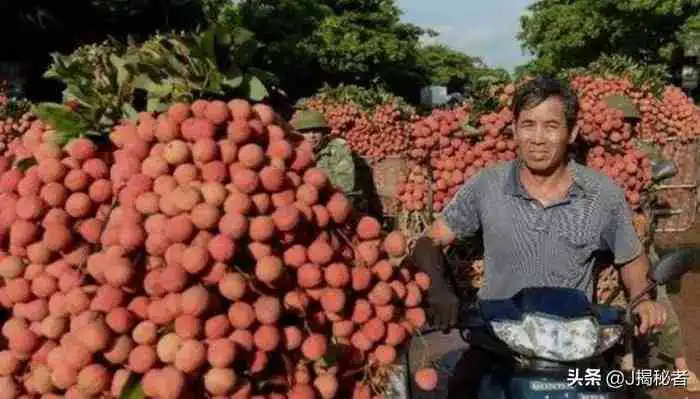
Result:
465,324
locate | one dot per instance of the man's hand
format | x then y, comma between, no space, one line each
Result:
652,316
444,309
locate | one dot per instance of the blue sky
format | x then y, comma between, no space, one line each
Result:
482,28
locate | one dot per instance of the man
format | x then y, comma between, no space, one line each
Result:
543,218
346,171
332,153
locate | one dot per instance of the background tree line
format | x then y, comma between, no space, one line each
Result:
304,44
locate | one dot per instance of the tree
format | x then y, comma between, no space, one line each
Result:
303,44
307,43
573,33
40,27
447,67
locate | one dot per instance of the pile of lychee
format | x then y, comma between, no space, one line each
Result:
202,255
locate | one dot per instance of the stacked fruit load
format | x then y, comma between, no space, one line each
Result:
11,130
15,117
413,192
373,134
455,153
204,252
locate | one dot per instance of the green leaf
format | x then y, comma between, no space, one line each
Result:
50,109
50,74
130,112
144,82
245,48
208,44
176,64
470,131
233,83
58,115
56,65
73,92
26,163
122,72
67,123
130,59
256,89
265,76
213,82
155,105
162,89
132,389
106,121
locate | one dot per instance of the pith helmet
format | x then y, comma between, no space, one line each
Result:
305,120
300,104
624,104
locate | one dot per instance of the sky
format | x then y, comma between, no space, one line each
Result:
482,28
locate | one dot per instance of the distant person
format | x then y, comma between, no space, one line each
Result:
346,171
671,345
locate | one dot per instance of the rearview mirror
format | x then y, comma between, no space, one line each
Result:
663,170
672,266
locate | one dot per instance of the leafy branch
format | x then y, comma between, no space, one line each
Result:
110,82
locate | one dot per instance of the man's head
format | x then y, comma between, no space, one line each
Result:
545,111
312,125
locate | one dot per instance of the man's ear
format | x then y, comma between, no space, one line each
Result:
574,133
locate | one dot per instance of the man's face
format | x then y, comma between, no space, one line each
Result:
314,137
543,136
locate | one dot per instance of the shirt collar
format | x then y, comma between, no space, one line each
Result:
514,187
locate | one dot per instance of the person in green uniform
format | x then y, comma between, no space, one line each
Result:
665,350
670,343
333,154
345,170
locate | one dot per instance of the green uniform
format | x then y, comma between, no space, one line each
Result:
351,174
345,170
335,158
670,342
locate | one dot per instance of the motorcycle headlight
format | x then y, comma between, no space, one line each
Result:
555,339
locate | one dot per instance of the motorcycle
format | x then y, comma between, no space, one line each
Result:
547,339
553,343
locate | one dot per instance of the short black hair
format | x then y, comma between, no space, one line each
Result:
536,91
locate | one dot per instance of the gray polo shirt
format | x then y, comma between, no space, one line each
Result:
527,245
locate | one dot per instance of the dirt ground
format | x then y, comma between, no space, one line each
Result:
687,304
685,296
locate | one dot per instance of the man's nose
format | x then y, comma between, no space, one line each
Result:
539,135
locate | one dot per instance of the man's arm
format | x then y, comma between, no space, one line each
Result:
621,238
634,275
460,218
